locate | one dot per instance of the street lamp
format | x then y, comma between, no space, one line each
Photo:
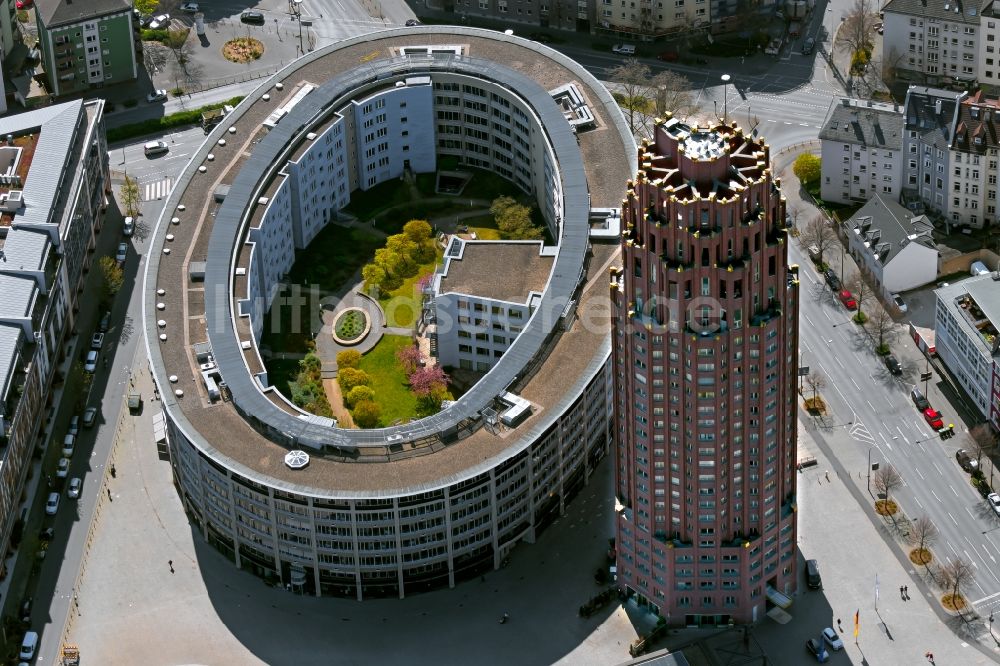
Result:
297,4
870,469
725,97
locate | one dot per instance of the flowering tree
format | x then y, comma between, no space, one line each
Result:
424,381
408,357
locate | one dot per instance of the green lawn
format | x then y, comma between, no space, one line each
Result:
388,381
404,311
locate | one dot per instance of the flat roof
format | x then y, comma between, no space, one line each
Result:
498,270
604,161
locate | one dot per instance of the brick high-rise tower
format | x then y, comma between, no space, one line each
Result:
705,350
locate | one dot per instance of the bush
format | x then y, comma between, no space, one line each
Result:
155,35
807,168
359,394
348,378
158,125
366,414
348,359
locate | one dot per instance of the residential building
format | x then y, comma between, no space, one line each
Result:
53,190
892,245
862,151
483,295
434,501
10,35
86,45
705,335
931,116
932,41
967,332
973,156
989,41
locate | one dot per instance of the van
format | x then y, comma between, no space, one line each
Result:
623,49
978,268
808,46
28,646
813,580
151,148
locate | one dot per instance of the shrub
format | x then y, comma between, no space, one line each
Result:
349,358
348,378
359,394
366,414
807,168
425,381
157,125
409,358
417,230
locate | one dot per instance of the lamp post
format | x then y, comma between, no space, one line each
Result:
297,4
725,97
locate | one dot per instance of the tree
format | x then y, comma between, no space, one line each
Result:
366,414
374,275
348,378
146,7
644,96
673,95
514,219
794,213
923,534
982,440
816,383
858,286
858,25
819,233
807,168
409,359
886,480
881,326
359,394
112,277
128,191
349,358
417,231
956,573
424,381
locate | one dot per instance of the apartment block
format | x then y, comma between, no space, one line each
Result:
862,146
932,41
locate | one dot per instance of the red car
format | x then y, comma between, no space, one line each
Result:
933,418
668,56
847,298
23,4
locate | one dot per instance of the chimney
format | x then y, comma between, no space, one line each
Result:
937,107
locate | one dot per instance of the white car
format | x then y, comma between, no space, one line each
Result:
190,7
89,417
899,302
52,504
122,253
69,445
62,468
97,340
160,22
994,501
153,148
90,364
623,49
158,95
75,485
128,228
74,425
831,638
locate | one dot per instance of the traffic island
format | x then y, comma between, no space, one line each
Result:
242,50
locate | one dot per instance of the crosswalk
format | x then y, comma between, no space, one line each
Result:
157,189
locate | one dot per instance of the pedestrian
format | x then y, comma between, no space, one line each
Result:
113,472
906,591
110,498
901,591
170,563
839,627
828,476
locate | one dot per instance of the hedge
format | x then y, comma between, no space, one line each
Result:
154,35
154,125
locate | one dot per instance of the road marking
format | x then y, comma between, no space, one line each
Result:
870,404
953,490
915,497
157,189
859,432
935,496
811,323
953,520
992,559
992,596
855,384
839,362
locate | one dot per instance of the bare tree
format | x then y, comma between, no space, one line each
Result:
885,69
817,232
128,192
816,383
858,25
644,96
957,573
794,213
858,286
923,533
982,440
887,479
881,326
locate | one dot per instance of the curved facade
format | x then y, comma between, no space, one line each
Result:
425,504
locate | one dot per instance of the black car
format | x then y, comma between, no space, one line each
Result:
919,400
816,649
252,16
413,22
893,365
832,280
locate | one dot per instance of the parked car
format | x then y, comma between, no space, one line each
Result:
623,49
831,638
105,323
669,56
190,7
816,649
933,418
813,579
918,399
253,17
75,486
90,363
122,254
52,505
62,468
97,340
74,425
893,364
965,461
847,298
154,148
128,227
410,23
158,95
30,642
831,279
160,22
900,304
978,268
69,443
89,417
993,499
808,46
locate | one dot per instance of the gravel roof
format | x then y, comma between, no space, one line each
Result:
497,270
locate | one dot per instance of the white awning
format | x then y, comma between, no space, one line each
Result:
777,598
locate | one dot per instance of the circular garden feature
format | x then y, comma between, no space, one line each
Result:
351,326
242,49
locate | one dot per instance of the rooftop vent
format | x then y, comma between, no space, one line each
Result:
12,201
297,459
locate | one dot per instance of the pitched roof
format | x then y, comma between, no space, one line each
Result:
60,12
976,131
932,121
962,11
864,122
887,227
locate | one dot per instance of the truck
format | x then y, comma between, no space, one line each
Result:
795,28
213,117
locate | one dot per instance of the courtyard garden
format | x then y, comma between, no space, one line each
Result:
351,325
